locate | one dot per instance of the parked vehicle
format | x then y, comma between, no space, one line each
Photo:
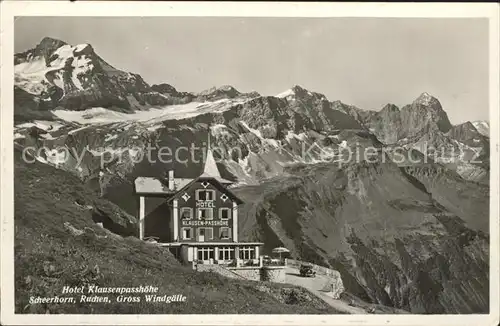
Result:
306,270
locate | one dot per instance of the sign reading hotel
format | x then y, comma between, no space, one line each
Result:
205,204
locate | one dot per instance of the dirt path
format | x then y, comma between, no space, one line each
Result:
315,285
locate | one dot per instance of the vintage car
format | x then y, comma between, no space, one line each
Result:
306,270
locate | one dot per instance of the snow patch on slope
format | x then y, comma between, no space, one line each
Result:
152,117
80,47
154,128
219,130
110,137
41,124
288,92
256,132
265,141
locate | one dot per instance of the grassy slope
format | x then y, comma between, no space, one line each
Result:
48,256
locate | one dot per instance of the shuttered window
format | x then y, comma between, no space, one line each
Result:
205,213
186,213
209,233
224,213
225,233
202,194
187,233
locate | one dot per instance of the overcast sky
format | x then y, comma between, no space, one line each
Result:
366,62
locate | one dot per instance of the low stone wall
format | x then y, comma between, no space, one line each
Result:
219,270
252,273
249,273
273,274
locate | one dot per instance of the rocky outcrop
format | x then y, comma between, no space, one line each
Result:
483,127
425,112
424,126
44,49
386,124
173,96
392,124
28,107
467,134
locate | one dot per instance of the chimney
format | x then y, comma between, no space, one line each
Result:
170,179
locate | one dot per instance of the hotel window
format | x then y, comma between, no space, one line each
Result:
205,213
225,233
209,233
186,213
205,253
187,233
224,213
247,253
226,253
202,194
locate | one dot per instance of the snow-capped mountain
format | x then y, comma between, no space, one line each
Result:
269,133
69,97
75,77
408,234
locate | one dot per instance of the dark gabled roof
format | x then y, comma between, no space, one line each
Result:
215,182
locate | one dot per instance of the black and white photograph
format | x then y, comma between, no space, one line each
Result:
249,162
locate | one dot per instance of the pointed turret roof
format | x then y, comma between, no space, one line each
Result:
210,169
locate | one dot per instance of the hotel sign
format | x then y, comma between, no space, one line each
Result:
205,223
205,204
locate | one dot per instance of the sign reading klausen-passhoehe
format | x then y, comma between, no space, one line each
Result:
205,223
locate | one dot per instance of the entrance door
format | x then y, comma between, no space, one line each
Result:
201,234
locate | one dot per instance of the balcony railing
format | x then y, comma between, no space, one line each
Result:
244,262
274,262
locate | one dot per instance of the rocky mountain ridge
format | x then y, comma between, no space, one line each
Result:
483,127
54,79
411,234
